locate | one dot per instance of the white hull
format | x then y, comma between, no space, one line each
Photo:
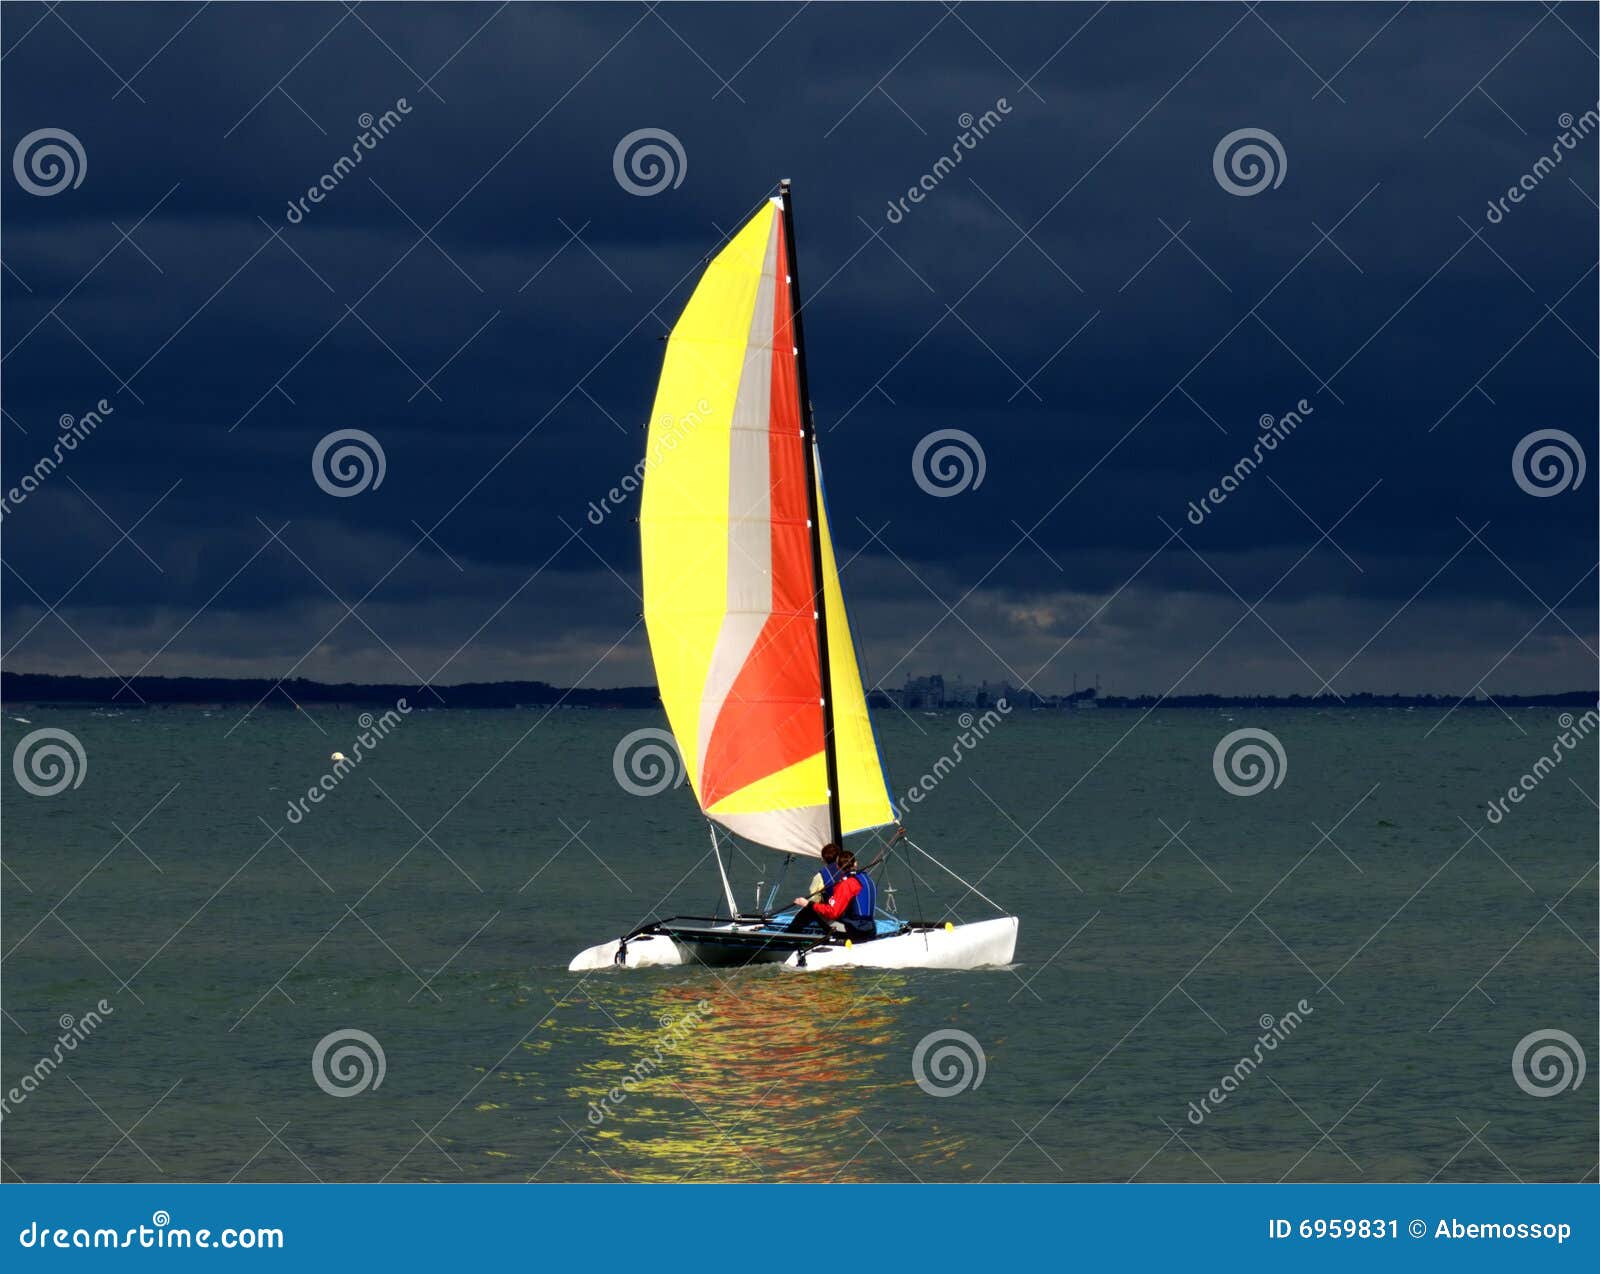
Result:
985,943
653,952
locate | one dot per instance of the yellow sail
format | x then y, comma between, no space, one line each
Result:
729,585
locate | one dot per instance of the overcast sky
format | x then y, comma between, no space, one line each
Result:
1083,295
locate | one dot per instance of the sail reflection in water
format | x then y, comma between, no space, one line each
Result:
756,1078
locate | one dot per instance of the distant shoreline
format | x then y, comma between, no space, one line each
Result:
183,692
201,692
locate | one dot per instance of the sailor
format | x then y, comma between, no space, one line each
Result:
848,910
823,882
860,916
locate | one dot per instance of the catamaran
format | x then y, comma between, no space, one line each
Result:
746,619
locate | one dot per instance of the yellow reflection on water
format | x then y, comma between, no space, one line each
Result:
755,1075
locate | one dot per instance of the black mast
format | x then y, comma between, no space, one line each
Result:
819,596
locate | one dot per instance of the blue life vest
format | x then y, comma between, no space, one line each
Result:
830,877
865,902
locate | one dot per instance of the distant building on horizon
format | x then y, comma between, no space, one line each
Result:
922,693
935,692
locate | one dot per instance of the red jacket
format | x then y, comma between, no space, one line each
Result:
843,894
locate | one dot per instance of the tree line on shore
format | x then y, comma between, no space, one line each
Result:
24,687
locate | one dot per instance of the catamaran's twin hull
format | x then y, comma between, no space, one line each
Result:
985,943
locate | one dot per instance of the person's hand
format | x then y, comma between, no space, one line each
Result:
801,902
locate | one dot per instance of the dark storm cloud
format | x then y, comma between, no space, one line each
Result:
226,354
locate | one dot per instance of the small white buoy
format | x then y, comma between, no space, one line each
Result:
337,757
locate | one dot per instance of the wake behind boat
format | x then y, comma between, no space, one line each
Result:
752,647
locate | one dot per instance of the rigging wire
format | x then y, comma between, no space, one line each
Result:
727,889
971,888
783,871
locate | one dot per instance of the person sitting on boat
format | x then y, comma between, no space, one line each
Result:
823,882
848,910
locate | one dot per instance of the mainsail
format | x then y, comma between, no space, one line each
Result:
730,563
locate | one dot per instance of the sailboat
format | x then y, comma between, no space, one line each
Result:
747,625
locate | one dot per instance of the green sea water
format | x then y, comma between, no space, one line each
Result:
433,899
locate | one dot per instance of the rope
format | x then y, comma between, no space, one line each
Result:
900,834
971,888
916,892
733,907
783,872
